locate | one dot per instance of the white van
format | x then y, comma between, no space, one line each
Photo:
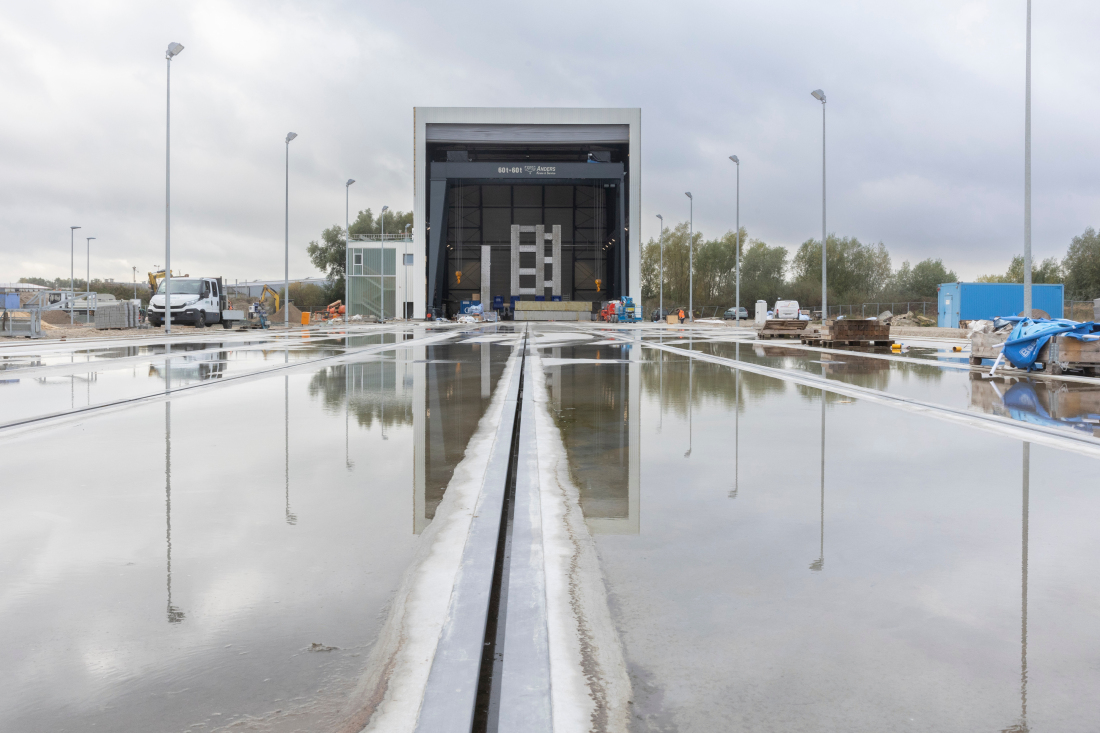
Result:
786,309
200,301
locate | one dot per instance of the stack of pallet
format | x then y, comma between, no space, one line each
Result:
850,333
781,328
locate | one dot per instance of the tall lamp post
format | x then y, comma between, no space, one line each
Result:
737,253
382,264
286,228
691,256
405,266
88,282
173,50
347,249
661,301
72,271
1027,169
820,96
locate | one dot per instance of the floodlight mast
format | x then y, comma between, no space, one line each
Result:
173,50
819,95
347,249
382,266
691,256
661,302
737,252
72,271
286,227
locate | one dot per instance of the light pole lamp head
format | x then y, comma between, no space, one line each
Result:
290,136
688,194
385,209
74,227
350,181
89,238
818,95
173,49
661,218
735,159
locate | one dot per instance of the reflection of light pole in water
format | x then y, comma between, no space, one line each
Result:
382,394
820,561
736,421
347,401
291,518
174,614
1021,727
661,393
691,393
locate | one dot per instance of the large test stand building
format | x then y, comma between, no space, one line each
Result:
530,203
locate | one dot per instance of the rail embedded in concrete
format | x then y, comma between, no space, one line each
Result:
450,695
525,679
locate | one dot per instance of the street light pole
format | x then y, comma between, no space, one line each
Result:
72,271
286,226
820,96
737,253
691,256
173,50
405,267
661,302
88,282
382,265
347,249
1027,169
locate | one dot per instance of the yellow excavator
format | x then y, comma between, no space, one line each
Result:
268,291
156,277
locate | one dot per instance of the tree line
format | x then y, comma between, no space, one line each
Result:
1079,270
857,272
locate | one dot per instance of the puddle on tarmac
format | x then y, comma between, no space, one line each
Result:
229,554
778,562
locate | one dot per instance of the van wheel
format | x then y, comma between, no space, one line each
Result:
200,320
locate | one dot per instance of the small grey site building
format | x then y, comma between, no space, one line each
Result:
489,181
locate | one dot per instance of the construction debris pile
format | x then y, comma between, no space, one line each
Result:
909,319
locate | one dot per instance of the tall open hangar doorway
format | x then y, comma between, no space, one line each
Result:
487,175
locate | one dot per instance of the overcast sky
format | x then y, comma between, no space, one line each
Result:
925,119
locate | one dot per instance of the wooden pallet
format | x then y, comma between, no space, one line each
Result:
790,328
849,344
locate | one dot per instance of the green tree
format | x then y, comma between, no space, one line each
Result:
762,269
1047,271
330,254
1082,266
856,271
922,280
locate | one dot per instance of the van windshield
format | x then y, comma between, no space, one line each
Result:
182,287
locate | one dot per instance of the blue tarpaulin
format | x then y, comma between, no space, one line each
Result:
1029,336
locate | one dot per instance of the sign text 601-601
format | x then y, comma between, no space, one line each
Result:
537,170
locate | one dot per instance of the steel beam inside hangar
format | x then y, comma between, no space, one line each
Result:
484,175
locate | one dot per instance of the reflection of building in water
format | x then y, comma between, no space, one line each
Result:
597,409
451,386
1066,405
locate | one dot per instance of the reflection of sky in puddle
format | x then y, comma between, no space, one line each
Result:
800,565
171,564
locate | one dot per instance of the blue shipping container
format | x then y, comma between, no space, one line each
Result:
986,301
11,300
